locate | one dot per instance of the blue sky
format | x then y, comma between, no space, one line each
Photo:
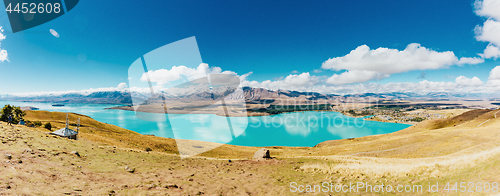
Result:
99,40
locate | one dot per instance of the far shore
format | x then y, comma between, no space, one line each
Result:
216,112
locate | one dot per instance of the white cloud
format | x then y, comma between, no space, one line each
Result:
54,33
295,71
390,61
491,51
3,53
317,71
2,36
495,73
122,85
365,64
489,32
494,83
494,78
470,61
488,8
165,76
464,81
245,76
355,76
303,79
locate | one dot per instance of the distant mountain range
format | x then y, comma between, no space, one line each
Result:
248,93
104,97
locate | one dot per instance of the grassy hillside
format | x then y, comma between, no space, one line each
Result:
467,116
95,131
466,149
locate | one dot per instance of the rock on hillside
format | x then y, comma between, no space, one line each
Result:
263,153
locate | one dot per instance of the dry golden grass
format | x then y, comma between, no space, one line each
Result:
398,167
99,132
454,121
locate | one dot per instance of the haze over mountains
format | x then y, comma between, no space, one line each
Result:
248,93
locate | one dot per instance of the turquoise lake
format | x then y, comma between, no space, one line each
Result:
288,129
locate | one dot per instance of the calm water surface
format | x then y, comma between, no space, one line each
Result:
289,129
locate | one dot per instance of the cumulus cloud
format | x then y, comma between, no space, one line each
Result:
122,86
390,61
491,51
303,79
365,64
494,78
3,53
488,8
464,81
181,73
495,73
470,61
165,76
355,76
295,71
490,30
245,76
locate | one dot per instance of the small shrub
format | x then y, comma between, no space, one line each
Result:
37,123
29,124
47,126
148,149
417,119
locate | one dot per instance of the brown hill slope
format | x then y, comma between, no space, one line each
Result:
467,116
95,131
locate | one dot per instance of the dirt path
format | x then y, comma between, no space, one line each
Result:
494,115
